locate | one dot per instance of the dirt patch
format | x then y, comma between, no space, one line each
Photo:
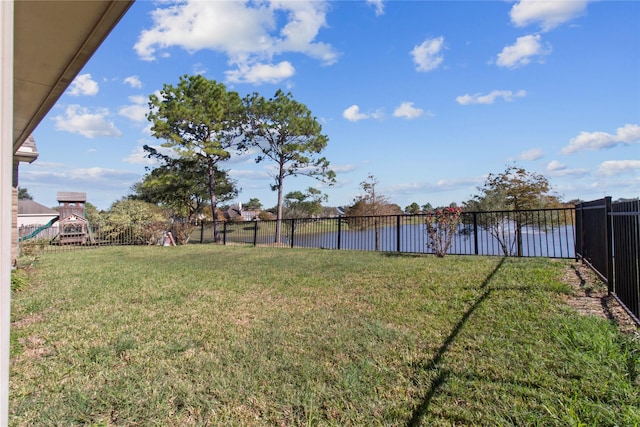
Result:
28,320
592,298
35,347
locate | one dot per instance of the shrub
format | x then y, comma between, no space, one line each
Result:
442,225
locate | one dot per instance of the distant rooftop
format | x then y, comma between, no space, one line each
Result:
29,207
70,196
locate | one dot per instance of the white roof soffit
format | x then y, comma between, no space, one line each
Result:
53,40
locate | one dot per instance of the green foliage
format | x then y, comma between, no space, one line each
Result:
19,280
252,205
513,189
412,209
23,194
134,221
303,205
33,247
92,214
178,185
201,121
285,132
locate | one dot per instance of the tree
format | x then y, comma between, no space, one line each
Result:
412,209
177,185
300,205
200,120
517,190
285,132
427,207
252,205
23,194
92,214
370,204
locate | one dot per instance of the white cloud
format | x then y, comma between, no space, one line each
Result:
408,111
520,53
138,157
490,98
80,120
137,110
133,81
259,175
443,185
378,5
353,114
83,85
346,168
555,165
533,154
96,177
249,33
557,169
549,14
427,55
618,167
261,73
199,68
628,134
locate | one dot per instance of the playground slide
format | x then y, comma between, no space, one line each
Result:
39,229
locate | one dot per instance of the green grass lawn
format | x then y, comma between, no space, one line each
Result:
215,335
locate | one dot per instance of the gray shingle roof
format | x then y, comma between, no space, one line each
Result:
29,207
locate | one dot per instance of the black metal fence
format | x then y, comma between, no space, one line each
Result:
533,233
608,240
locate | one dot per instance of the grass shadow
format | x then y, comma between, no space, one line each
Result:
404,255
434,362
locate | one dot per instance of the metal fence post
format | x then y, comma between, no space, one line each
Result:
293,229
255,233
398,233
609,242
224,232
475,232
339,229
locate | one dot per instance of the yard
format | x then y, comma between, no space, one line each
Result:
246,336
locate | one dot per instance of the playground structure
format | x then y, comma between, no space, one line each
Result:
73,226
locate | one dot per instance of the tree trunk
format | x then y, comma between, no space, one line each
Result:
279,208
214,202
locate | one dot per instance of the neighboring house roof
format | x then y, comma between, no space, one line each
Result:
29,207
28,152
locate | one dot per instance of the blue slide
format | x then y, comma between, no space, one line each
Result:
39,229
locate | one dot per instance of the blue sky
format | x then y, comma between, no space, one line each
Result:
427,96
